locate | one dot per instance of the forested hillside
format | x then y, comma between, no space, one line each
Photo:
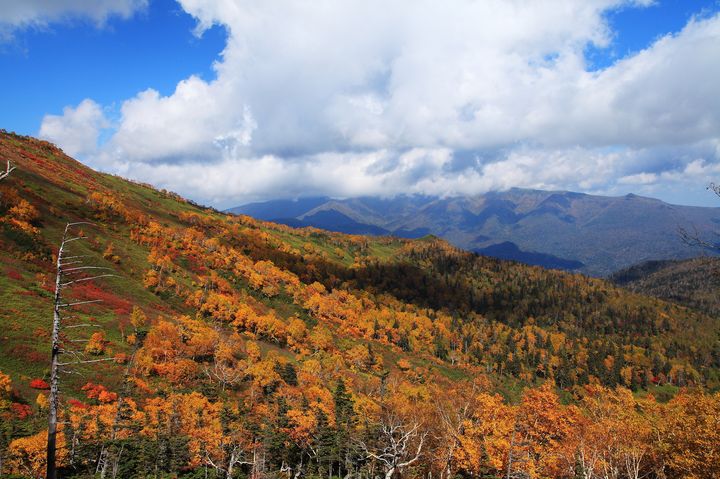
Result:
693,282
239,348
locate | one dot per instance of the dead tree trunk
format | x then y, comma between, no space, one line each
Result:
5,174
54,366
401,445
66,269
8,170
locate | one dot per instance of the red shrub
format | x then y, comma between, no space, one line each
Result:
121,358
39,384
88,292
99,392
14,274
77,404
21,411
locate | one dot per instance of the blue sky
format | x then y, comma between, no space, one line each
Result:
636,28
359,98
63,63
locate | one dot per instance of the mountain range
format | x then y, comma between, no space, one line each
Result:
595,235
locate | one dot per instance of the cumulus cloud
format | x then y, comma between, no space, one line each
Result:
381,173
377,97
15,15
77,129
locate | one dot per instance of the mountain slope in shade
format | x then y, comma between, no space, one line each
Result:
694,282
510,251
603,234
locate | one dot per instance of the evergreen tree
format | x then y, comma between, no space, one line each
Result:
324,445
345,420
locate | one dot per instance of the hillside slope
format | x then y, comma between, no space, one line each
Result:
694,282
249,339
591,234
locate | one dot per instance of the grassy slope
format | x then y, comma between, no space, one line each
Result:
58,187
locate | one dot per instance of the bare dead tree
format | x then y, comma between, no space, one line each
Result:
9,169
692,237
235,457
70,270
3,175
226,372
296,471
400,445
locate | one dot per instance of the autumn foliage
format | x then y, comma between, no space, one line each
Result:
39,384
239,348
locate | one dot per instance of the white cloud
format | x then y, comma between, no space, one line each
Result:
18,14
639,179
77,129
384,97
377,172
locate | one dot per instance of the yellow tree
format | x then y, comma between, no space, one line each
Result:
5,389
27,455
690,435
542,439
617,440
454,410
484,439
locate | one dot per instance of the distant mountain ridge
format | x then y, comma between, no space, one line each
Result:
596,235
510,251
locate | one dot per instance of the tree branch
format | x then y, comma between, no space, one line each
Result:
86,361
9,169
68,305
64,285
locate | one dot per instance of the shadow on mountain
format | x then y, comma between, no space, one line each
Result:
436,287
279,208
510,251
692,283
640,271
463,282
